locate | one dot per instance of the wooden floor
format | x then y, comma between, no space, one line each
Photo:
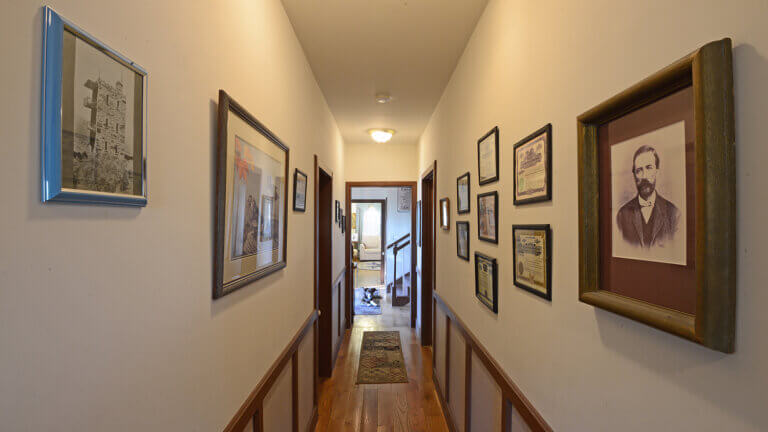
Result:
345,406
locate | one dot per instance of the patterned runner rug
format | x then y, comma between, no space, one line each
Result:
381,359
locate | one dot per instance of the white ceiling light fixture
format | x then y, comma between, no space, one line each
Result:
383,97
381,135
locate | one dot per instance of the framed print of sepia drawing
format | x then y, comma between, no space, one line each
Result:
533,167
94,134
251,199
488,216
656,200
462,193
462,240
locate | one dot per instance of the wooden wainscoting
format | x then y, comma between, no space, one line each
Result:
474,391
339,315
280,400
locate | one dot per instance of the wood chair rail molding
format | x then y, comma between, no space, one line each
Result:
510,391
255,400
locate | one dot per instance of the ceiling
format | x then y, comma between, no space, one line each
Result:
408,48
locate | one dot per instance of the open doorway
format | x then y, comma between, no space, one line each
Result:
380,253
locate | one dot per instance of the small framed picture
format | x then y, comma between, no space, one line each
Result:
338,211
533,167
445,214
418,221
488,216
657,180
343,224
488,157
404,199
299,191
94,131
532,254
462,240
486,281
462,193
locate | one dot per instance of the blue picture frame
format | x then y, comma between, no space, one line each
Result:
53,190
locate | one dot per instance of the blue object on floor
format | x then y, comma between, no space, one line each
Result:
363,308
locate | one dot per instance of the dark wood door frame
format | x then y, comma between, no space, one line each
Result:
382,231
428,251
349,309
323,272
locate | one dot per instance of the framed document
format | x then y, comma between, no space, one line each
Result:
299,191
445,214
533,167
343,224
251,199
656,189
338,211
462,240
488,157
462,193
94,131
404,199
533,259
488,216
486,281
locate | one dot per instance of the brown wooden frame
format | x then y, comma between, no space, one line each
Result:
445,225
227,105
709,70
349,309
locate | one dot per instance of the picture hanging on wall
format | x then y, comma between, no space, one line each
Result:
488,157
418,221
404,199
533,167
338,211
462,193
343,224
445,214
251,203
94,134
657,224
532,255
299,191
488,216
486,281
462,240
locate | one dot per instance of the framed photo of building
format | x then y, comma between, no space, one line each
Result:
657,224
533,167
251,199
94,134
299,191
486,281
488,216
462,193
488,157
462,240
445,214
532,254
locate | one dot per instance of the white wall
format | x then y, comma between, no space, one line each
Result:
534,62
384,162
398,225
106,317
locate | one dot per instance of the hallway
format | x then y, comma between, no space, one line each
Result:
345,406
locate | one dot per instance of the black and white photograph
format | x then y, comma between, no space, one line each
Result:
299,191
101,121
462,240
462,193
648,196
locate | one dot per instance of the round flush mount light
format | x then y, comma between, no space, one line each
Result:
381,135
383,97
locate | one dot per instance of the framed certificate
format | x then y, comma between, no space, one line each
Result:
486,281
299,191
462,240
462,193
533,259
533,167
488,157
657,220
488,216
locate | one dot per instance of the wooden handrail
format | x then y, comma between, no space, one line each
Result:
398,240
397,248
